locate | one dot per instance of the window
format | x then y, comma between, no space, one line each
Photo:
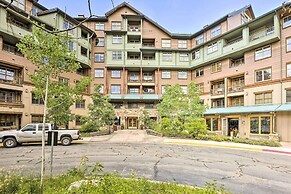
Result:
182,43
115,74
217,103
288,44
199,72
263,52
78,121
117,105
288,95
182,75
184,57
163,89
212,124
100,26
99,72
263,98
287,21
199,40
36,118
36,100
99,58
7,120
71,45
215,31
149,106
166,43
237,62
196,55
7,74
166,74
116,55
10,96
260,125
132,105
115,89
117,39
101,89
68,25
35,10
63,80
216,67
184,89
80,104
116,26
245,18
212,48
100,42
148,77
167,56
201,87
134,90
288,70
19,3
263,75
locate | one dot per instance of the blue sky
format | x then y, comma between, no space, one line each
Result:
177,16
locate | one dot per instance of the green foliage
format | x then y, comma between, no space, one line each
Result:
51,56
182,114
262,142
101,112
98,183
145,119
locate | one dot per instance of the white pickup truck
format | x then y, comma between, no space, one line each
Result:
33,133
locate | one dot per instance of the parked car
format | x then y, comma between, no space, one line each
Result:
33,133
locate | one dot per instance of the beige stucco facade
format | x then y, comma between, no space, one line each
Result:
237,61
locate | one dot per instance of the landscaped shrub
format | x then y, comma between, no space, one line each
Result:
95,182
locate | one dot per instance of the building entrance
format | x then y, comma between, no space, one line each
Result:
233,126
132,123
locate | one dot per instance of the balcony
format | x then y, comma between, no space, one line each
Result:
237,62
219,103
12,49
134,78
217,91
148,78
267,31
148,90
134,27
235,88
148,42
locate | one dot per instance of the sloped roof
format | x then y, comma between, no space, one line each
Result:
177,35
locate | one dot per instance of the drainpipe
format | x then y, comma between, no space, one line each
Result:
281,60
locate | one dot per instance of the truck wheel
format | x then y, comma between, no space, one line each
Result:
10,142
66,141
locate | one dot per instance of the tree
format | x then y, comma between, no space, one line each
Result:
181,114
101,112
51,55
145,119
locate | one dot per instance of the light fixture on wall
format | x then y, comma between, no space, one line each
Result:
247,72
26,114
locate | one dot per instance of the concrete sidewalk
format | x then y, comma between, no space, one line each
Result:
285,149
140,136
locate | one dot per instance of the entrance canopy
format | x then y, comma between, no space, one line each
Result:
250,109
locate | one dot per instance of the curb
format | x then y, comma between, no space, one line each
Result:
285,151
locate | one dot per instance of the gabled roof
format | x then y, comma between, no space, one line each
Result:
177,35
59,11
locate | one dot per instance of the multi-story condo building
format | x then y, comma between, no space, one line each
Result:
241,63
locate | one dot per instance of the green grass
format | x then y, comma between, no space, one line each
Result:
15,182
